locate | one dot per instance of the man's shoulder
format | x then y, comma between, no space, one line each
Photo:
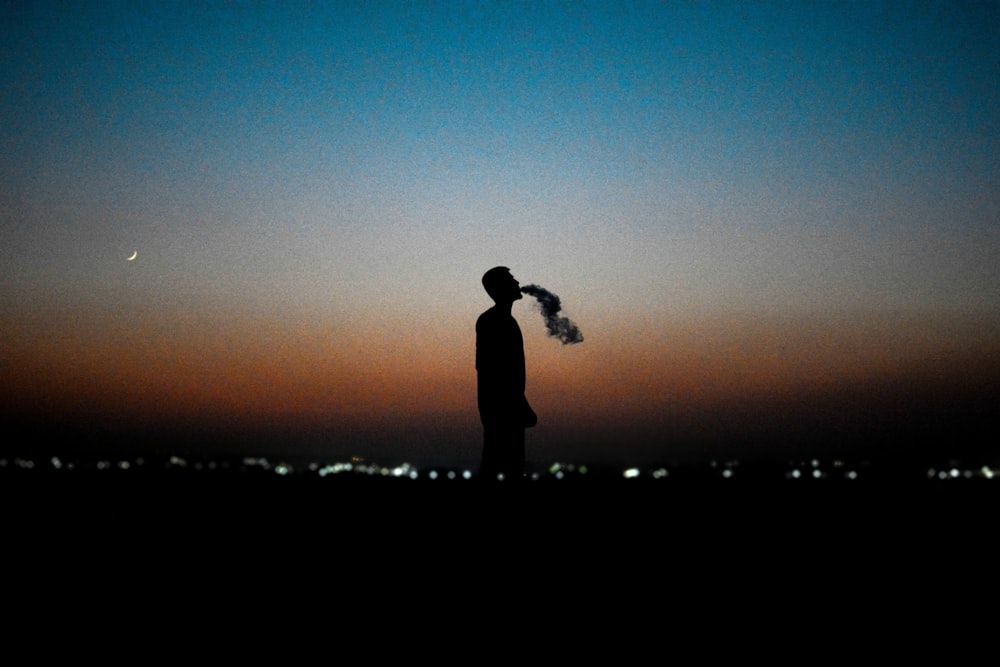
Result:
489,316
496,320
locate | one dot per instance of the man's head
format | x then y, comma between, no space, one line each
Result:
501,285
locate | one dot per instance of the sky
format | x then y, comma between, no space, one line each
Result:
777,224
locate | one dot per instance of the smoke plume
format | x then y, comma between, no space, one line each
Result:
559,327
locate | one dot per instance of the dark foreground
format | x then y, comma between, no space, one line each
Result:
601,543
365,493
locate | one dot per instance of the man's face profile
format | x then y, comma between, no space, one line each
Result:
501,285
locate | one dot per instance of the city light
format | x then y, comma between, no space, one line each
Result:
801,473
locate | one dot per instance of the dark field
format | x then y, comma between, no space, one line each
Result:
816,529
728,489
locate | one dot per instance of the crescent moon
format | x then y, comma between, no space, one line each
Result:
134,255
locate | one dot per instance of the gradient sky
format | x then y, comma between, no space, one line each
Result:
751,209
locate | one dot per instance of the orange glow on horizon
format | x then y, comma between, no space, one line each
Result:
308,374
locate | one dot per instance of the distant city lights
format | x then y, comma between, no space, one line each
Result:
801,472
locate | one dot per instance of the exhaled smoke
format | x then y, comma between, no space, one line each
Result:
560,327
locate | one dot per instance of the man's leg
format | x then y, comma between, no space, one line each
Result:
503,453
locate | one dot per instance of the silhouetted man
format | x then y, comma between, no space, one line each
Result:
503,408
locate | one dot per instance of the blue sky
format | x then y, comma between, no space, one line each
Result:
347,171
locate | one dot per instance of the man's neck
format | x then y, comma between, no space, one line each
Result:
504,306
